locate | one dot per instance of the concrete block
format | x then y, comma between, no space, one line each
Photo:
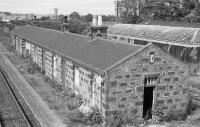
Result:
144,69
171,73
123,84
160,101
161,87
178,99
139,103
134,97
127,76
171,87
145,60
137,75
139,89
175,92
116,92
128,91
169,67
158,95
134,111
169,101
176,79
123,99
121,106
166,94
113,84
167,79
111,99
165,107
157,59
132,83
118,77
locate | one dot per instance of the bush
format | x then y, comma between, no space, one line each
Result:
77,117
177,115
59,88
79,99
71,95
94,117
191,107
116,119
43,72
130,119
46,79
73,104
33,68
158,113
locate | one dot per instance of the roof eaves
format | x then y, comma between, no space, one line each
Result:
158,41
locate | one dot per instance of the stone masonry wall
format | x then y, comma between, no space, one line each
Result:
125,87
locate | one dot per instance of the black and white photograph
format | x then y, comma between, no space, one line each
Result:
99,63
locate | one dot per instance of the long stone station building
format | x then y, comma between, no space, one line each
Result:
108,73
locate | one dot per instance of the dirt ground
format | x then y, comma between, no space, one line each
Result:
52,97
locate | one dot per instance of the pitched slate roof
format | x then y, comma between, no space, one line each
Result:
103,53
97,54
176,35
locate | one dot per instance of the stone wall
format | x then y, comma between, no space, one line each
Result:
125,87
61,69
48,63
194,90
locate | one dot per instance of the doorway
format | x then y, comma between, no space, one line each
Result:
148,102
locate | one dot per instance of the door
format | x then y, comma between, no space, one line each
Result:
148,102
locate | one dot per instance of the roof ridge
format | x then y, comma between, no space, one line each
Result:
75,34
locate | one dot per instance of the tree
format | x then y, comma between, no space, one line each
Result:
76,26
109,18
60,17
129,10
194,6
7,13
88,17
44,18
133,11
75,15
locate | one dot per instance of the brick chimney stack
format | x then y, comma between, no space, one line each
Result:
94,21
99,20
97,30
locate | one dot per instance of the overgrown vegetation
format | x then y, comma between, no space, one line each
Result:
119,119
93,118
179,115
48,24
134,11
33,68
191,107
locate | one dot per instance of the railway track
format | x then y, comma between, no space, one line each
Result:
12,114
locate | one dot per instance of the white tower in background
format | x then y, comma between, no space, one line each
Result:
56,13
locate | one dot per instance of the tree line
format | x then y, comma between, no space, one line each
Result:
134,11
80,23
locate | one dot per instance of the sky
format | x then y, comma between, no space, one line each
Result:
64,6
